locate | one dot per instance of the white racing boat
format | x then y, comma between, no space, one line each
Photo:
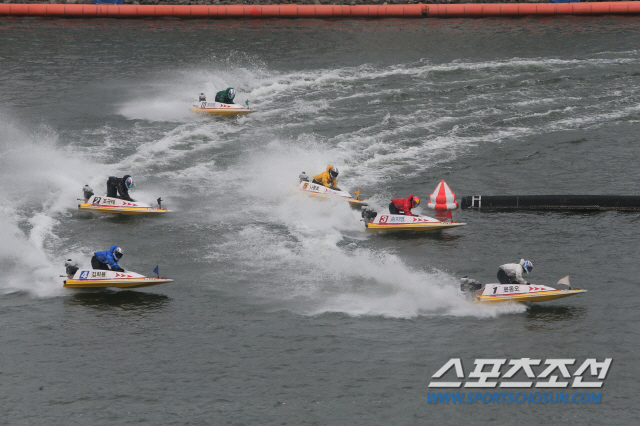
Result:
522,293
374,221
94,278
103,204
218,108
323,192
100,278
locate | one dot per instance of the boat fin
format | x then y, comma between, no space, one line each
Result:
565,281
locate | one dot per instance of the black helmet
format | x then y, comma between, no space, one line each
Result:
333,172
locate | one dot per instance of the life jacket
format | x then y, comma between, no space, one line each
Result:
404,204
108,258
325,179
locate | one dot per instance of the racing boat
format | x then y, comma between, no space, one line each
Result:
522,293
374,221
93,278
105,204
218,108
320,191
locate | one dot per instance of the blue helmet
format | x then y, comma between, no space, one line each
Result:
526,265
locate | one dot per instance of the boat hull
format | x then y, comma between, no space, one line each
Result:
122,210
323,193
213,111
124,283
399,222
499,293
418,227
356,203
93,278
115,205
217,108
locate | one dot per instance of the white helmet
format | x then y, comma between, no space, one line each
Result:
526,265
129,182
117,253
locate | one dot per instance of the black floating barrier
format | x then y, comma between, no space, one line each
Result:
551,202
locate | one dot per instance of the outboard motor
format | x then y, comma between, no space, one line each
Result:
88,192
303,177
159,200
72,268
368,214
202,98
469,286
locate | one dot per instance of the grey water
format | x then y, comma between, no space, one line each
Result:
284,310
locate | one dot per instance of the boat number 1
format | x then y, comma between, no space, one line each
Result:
495,288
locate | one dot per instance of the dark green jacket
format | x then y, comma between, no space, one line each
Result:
223,96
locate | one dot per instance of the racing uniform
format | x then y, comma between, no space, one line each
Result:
116,185
223,97
511,273
401,206
325,179
106,260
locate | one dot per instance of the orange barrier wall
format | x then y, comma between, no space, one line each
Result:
474,10
469,10
229,11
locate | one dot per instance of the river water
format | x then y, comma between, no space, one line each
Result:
284,310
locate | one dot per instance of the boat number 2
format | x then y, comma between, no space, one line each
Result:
495,288
96,200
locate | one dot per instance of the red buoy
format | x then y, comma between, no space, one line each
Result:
443,198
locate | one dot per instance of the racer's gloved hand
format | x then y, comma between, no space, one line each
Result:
120,270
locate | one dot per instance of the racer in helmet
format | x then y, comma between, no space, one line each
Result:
107,259
71,268
120,186
511,273
328,178
226,96
404,205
